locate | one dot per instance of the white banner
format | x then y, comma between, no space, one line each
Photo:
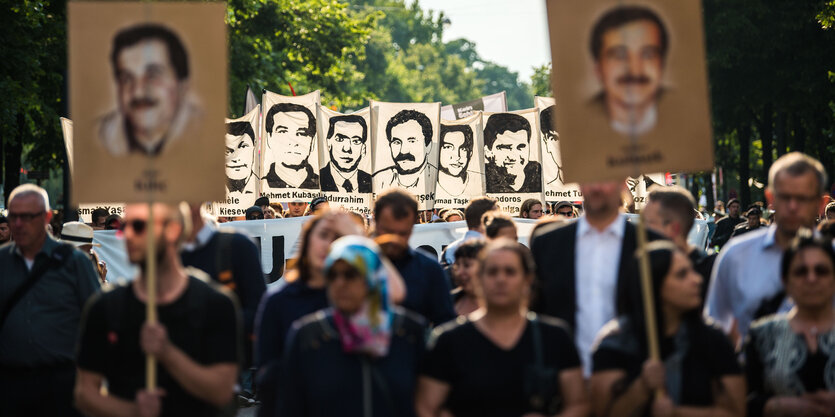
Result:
290,162
552,175
405,148
85,210
345,158
512,158
242,167
495,103
460,162
639,187
278,241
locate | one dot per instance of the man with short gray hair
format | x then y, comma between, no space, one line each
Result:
746,279
44,288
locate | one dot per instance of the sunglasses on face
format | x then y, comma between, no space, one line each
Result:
138,226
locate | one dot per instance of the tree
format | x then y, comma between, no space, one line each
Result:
541,81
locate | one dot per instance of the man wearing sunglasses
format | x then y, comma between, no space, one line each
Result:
43,288
196,340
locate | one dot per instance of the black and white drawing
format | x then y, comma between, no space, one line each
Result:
494,103
460,162
150,67
511,157
289,141
552,173
242,158
347,145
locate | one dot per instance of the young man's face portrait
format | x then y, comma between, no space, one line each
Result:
454,158
408,147
149,92
290,139
510,150
240,153
347,145
630,64
552,145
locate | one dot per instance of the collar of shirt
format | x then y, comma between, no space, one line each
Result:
615,228
337,175
202,238
49,245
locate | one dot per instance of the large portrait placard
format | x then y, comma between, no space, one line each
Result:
405,148
147,98
512,158
289,150
460,162
552,173
345,159
631,83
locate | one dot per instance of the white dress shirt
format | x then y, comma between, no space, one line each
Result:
746,273
596,261
339,178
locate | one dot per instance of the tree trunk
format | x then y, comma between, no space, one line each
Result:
782,134
744,164
709,203
11,156
799,136
767,137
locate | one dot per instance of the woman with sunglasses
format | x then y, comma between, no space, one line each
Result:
790,359
501,360
303,294
359,357
698,374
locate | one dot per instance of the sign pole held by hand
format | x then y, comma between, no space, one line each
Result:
151,294
646,293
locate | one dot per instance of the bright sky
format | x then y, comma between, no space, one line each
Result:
510,33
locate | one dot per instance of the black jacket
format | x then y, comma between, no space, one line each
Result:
329,184
554,248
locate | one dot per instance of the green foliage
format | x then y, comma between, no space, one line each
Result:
541,81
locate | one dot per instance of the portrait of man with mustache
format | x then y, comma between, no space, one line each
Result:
409,135
629,45
151,70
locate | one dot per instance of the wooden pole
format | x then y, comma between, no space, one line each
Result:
646,292
151,293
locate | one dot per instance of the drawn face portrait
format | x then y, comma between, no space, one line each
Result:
240,154
454,157
290,138
511,151
408,147
347,145
630,64
149,92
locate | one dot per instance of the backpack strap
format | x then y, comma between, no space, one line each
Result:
59,257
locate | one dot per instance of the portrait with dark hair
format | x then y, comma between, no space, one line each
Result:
551,145
508,166
346,142
629,46
242,157
290,139
460,162
409,135
150,69
633,91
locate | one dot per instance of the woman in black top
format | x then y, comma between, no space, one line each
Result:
360,357
480,365
698,373
790,359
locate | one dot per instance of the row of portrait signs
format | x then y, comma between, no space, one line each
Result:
148,93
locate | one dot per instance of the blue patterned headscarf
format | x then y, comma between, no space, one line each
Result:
368,330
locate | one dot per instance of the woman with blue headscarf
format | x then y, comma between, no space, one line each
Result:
360,356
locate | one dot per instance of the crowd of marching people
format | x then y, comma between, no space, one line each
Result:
362,324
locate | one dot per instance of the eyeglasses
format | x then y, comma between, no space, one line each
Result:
26,217
138,226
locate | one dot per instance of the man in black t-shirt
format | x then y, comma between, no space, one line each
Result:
196,340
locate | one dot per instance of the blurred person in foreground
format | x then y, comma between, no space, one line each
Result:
698,373
196,340
502,360
360,357
789,357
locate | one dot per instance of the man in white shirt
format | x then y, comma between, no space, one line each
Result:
747,272
583,267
